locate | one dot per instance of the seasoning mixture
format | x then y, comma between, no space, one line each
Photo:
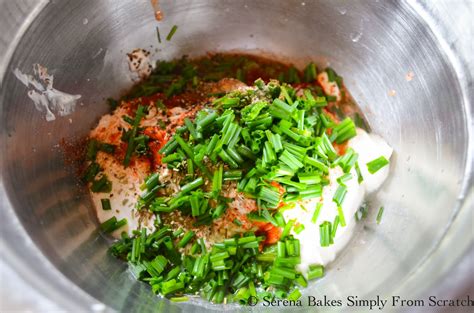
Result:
232,176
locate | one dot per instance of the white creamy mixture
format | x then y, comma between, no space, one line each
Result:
123,197
369,147
126,183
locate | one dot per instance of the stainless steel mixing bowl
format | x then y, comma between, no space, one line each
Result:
49,232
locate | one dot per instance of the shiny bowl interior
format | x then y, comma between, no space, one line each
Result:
53,233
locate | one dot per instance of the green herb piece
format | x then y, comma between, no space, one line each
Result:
344,130
130,146
379,215
360,178
179,299
340,194
186,238
375,165
315,271
299,228
112,224
325,234
106,204
91,171
310,72
103,184
341,219
294,295
158,34
172,32
317,210
192,185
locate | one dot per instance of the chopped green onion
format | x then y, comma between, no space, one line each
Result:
335,224
186,238
289,159
294,295
179,299
379,215
192,185
345,177
237,222
106,204
310,72
342,219
317,210
171,33
217,181
103,184
112,224
360,178
325,234
344,130
91,171
299,228
158,34
375,165
340,194
315,271
194,199
130,146
287,228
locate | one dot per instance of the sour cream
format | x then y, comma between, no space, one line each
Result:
123,196
369,147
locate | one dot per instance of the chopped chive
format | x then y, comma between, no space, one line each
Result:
344,130
315,271
91,171
217,181
269,217
103,184
375,165
112,224
232,175
310,72
342,219
192,185
344,178
335,224
179,299
158,34
192,129
237,222
106,204
340,194
186,238
360,178
152,181
209,119
325,234
228,159
299,228
379,215
91,149
171,33
287,228
294,295
130,145
289,159
195,205
309,178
